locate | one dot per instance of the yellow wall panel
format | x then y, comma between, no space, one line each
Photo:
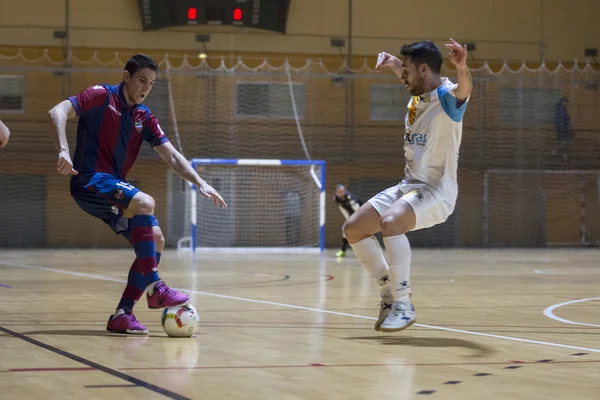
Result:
510,29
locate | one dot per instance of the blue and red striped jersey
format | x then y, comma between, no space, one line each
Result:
110,132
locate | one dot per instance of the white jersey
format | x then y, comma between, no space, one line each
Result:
432,140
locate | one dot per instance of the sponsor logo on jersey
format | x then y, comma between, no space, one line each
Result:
416,138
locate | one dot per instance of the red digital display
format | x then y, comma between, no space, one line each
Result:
192,13
237,14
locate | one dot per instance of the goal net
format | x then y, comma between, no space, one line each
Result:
296,109
275,205
541,207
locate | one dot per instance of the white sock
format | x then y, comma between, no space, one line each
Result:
150,288
118,312
369,253
399,254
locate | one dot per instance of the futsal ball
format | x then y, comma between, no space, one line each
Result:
180,321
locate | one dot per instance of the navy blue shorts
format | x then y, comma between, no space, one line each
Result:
104,196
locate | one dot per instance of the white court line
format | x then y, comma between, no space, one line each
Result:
548,312
271,303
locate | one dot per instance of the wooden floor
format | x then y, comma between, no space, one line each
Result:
301,327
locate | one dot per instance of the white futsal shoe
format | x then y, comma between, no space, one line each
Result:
385,307
401,316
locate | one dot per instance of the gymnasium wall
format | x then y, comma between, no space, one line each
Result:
508,29
365,153
501,131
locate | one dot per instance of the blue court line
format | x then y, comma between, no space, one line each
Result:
4,286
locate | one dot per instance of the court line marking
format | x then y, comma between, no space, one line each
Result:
108,386
117,374
310,365
4,286
272,303
549,312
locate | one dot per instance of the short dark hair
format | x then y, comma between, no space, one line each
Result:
424,53
140,61
340,185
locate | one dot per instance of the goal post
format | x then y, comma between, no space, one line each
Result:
541,207
273,205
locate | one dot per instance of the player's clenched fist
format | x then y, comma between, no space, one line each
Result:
387,60
64,165
4,134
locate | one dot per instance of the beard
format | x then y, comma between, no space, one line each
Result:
417,88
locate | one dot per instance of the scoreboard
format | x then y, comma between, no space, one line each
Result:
262,14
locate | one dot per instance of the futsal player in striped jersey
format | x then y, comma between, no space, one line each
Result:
112,125
427,194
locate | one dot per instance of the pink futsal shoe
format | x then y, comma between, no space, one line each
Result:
164,296
126,323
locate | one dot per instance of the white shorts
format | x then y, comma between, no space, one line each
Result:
430,208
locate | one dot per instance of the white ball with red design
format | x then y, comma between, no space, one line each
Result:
180,321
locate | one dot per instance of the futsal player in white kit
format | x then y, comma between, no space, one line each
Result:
427,194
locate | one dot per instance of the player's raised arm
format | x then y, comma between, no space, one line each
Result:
182,167
387,60
458,57
4,134
58,129
154,135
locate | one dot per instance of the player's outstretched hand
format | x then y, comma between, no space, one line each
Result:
207,191
387,60
458,53
64,165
